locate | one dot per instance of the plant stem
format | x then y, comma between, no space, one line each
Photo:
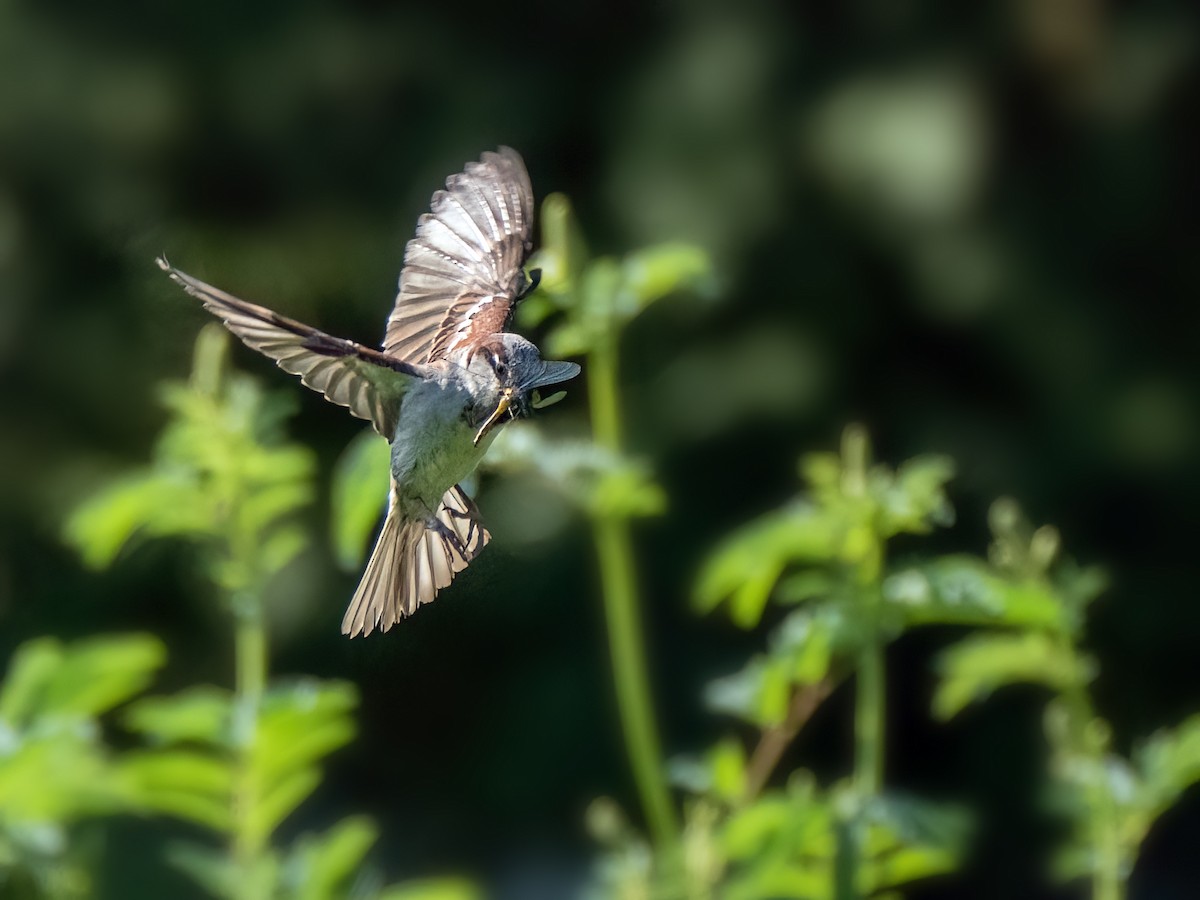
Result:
775,741
1108,882
869,720
614,548
250,645
869,726
250,661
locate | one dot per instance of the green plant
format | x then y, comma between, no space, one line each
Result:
237,762
818,570
588,302
825,553
55,770
1110,799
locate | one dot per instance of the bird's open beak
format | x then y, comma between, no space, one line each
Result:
497,415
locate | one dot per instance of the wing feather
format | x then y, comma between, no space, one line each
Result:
462,271
366,381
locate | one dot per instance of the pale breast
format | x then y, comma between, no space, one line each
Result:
432,450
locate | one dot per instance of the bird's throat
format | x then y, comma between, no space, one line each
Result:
496,417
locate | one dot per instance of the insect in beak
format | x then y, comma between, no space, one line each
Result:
541,403
502,407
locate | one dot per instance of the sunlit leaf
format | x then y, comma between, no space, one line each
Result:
626,493
967,591
302,722
280,547
807,585
1169,763
748,564
221,876
359,495
164,503
260,509
750,829
33,665
433,889
909,839
563,252
190,784
196,714
280,800
728,764
805,643
81,679
322,864
96,674
655,272
915,500
59,776
978,665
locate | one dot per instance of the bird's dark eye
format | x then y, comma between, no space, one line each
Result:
499,367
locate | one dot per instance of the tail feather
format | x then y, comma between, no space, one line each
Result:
412,561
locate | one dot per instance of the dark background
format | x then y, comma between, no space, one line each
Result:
972,226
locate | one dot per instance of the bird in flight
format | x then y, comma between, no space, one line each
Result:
448,375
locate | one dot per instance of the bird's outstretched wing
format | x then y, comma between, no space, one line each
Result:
370,383
462,271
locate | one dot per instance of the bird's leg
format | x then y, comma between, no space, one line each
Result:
448,534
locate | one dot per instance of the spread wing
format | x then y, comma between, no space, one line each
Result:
370,383
462,272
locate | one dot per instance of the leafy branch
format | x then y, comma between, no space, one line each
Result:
237,762
590,301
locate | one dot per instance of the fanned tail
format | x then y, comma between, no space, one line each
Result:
412,561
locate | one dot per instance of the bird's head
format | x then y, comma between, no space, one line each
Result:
514,369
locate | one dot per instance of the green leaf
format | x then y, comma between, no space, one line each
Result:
280,547
727,761
213,870
433,889
218,874
80,680
655,272
909,839
626,492
751,828
746,567
963,590
196,714
32,667
1169,763
915,500
261,508
360,481
281,799
774,692
978,665
189,784
96,674
568,338
907,864
300,724
161,502
322,864
807,585
805,644
58,776
563,251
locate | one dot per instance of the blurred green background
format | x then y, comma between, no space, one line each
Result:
973,227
